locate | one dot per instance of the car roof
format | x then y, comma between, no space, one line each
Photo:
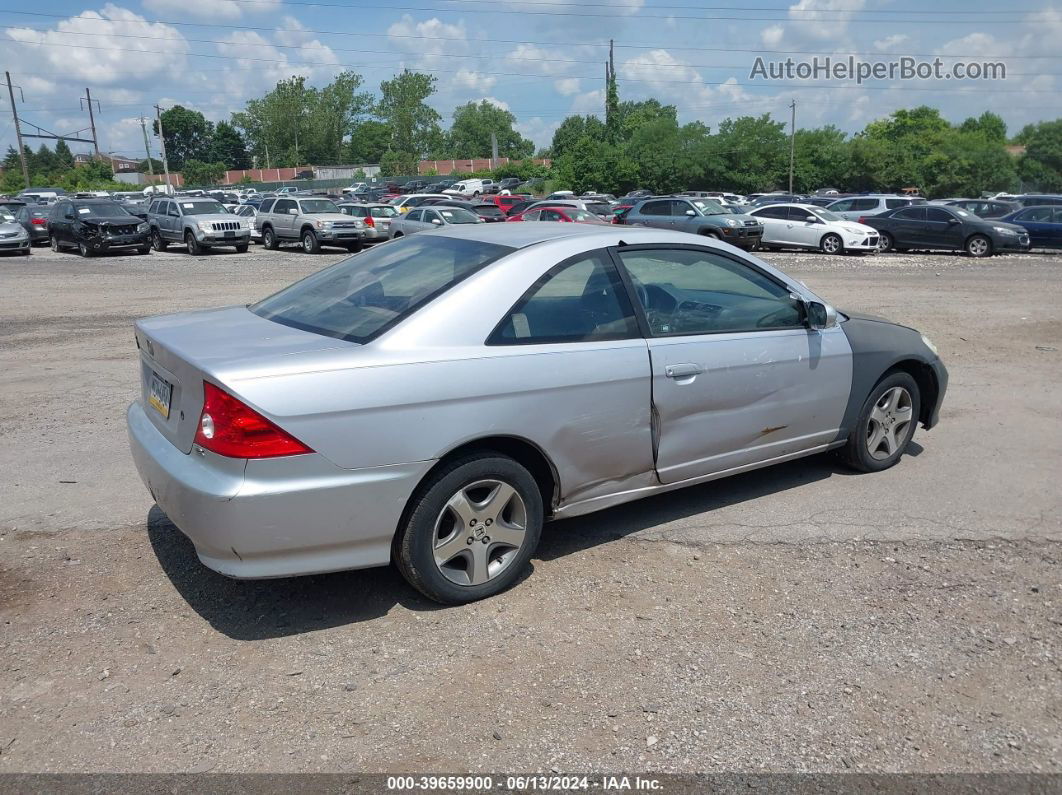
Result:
531,233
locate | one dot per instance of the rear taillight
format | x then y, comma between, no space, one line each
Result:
39,221
230,428
861,220
369,222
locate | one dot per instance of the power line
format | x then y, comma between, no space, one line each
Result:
388,35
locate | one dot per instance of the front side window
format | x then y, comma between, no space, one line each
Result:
580,301
283,206
363,296
942,216
1042,214
693,291
456,215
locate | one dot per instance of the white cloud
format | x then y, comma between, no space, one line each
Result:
536,60
567,86
538,130
892,43
772,36
495,102
470,80
589,102
104,57
227,10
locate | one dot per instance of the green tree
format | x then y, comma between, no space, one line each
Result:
196,172
414,124
398,164
822,159
988,124
44,161
187,135
1041,165
227,146
368,142
572,130
630,116
470,133
754,152
295,124
156,166
64,158
969,163
12,162
612,103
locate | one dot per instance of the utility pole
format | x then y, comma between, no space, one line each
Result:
147,147
162,145
92,120
792,144
18,130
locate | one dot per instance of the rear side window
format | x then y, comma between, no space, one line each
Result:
582,300
656,208
772,212
892,204
859,205
363,296
266,205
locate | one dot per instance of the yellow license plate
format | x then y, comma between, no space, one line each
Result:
159,395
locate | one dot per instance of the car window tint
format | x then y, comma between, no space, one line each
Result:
844,205
656,208
363,296
938,214
892,204
415,215
911,214
693,291
266,205
864,204
1041,214
582,301
771,212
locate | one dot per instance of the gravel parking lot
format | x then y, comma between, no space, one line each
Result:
798,618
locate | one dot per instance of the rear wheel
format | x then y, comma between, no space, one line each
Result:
886,424
885,242
192,244
354,248
471,529
269,238
157,242
979,246
83,249
832,244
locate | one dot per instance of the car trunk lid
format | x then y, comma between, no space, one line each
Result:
177,352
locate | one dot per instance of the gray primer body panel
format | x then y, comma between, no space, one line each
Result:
877,346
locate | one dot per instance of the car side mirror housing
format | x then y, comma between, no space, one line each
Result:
690,213
436,221
819,316
953,221
293,211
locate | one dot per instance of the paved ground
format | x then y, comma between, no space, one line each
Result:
800,618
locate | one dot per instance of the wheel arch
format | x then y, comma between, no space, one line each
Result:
925,377
991,243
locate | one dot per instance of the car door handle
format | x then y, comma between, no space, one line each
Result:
682,370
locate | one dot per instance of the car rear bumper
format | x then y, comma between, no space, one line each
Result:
275,517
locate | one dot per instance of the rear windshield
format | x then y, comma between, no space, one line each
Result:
383,212
365,295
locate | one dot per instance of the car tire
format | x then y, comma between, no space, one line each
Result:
885,242
84,250
192,245
885,425
445,548
712,235
157,242
396,235
310,243
978,246
354,248
269,239
242,248
831,244
144,250
55,243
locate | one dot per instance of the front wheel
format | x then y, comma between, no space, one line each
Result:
979,246
192,244
157,242
241,248
144,250
886,424
84,250
310,244
354,248
471,529
832,244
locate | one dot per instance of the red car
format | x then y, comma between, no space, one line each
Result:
506,203
563,214
619,211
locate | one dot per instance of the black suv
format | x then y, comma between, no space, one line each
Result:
95,226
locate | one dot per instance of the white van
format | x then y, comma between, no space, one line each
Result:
471,187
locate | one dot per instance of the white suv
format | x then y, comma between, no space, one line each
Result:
471,187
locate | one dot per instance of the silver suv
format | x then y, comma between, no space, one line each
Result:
853,208
198,223
312,221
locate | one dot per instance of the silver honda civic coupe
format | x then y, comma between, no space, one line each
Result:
430,402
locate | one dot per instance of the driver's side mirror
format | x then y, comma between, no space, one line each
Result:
293,211
819,316
811,219
690,213
953,221
436,221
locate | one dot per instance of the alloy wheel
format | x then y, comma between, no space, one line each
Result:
889,421
479,532
831,244
977,247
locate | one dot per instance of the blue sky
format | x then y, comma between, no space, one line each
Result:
542,59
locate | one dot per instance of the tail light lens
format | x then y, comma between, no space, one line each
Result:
39,221
231,428
861,220
369,222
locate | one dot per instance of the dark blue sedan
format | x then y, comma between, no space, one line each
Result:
1043,223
